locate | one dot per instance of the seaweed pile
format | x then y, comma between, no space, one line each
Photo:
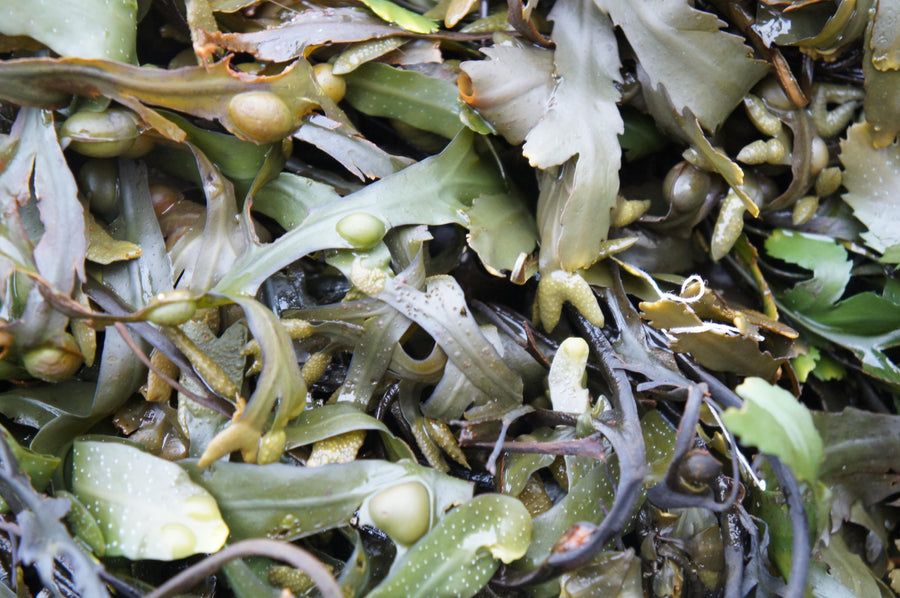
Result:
447,298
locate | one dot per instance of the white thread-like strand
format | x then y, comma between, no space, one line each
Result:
742,460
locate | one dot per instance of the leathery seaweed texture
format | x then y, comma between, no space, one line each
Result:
449,298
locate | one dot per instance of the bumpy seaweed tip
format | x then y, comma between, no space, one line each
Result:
368,280
557,287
